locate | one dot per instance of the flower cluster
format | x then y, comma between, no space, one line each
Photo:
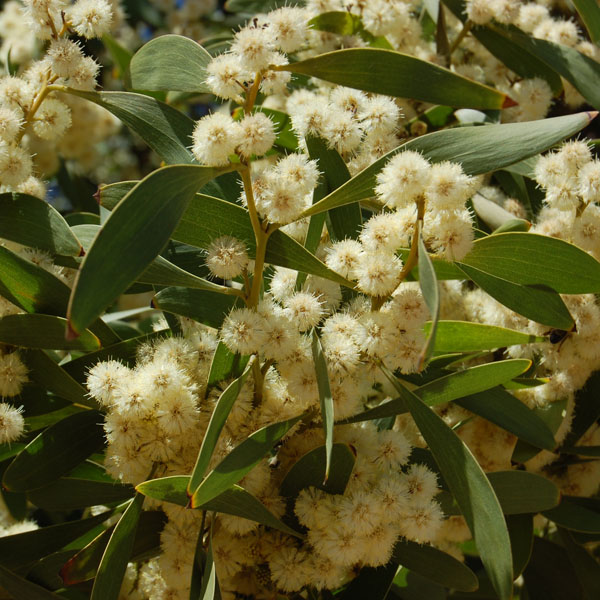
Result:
36,120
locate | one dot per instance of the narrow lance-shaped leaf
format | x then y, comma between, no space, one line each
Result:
117,553
401,75
586,567
520,530
215,426
464,336
55,451
241,460
160,271
539,304
18,587
49,374
23,549
309,471
477,149
209,308
346,221
450,387
431,294
470,487
503,409
225,364
325,398
522,258
132,237
520,60
575,67
235,500
590,15
170,63
43,331
166,130
207,218
435,565
33,222
210,584
83,566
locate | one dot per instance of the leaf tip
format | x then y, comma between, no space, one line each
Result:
97,195
508,102
592,114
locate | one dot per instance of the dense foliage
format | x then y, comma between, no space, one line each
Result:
308,309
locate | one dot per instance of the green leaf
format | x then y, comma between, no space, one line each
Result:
170,62
435,565
240,461
503,409
33,222
209,590
68,493
309,471
234,500
325,398
522,258
471,488
109,195
117,553
395,74
43,331
589,11
515,57
30,287
521,492
573,515
160,271
84,564
586,567
470,381
464,336
575,67
166,130
539,304
225,364
55,451
209,308
450,387
132,237
25,548
582,450
17,587
50,375
431,294
215,426
346,221
167,489
477,149
552,416
207,218
520,530
237,501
